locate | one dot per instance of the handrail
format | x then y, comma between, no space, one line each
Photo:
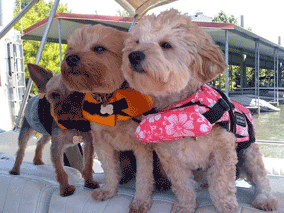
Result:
38,56
17,18
270,142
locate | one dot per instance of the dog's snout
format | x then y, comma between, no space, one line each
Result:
65,108
136,57
72,60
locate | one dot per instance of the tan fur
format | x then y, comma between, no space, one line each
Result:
100,73
61,139
95,70
172,74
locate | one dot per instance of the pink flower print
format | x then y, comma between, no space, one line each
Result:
204,128
154,117
201,119
153,128
200,109
151,119
180,125
211,102
196,108
158,117
140,133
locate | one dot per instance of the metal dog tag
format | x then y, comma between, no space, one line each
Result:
108,109
77,139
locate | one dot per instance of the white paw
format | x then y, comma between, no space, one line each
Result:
265,202
229,205
184,209
102,194
139,206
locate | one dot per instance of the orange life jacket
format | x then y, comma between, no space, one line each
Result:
123,105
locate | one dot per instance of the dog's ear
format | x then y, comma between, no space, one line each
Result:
40,76
209,62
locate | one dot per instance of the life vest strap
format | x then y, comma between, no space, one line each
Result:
217,111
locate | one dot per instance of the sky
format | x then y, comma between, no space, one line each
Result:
265,18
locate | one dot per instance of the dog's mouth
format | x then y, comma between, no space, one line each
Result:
77,72
138,68
74,71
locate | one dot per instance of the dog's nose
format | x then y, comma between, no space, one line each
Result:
136,57
65,108
72,60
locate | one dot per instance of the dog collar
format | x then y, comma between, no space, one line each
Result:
125,104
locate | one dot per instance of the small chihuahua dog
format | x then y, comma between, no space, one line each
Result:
57,115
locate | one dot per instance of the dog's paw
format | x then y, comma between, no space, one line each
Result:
230,207
38,161
184,209
102,194
67,191
139,206
91,184
14,172
265,202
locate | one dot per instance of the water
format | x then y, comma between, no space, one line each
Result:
270,127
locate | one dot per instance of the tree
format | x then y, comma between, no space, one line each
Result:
22,3
123,13
50,56
222,17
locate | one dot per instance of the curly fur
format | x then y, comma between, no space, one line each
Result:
100,73
178,57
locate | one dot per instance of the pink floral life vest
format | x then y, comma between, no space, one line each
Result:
195,116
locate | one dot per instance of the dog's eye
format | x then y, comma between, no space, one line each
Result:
165,45
55,95
98,49
137,42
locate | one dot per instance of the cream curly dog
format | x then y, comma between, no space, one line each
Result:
92,65
169,58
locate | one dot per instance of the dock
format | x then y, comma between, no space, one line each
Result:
252,103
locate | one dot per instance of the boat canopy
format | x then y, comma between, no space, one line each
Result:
137,8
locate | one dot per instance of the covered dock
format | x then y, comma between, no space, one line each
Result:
241,47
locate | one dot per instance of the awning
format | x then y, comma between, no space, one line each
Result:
241,41
69,22
140,7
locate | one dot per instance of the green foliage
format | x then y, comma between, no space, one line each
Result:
22,3
222,17
123,13
50,56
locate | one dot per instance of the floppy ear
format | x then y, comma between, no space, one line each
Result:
40,76
210,61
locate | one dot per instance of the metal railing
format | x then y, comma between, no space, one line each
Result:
38,57
270,142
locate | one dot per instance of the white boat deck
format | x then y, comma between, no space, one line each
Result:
41,179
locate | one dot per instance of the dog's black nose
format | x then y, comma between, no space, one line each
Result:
65,108
72,60
136,57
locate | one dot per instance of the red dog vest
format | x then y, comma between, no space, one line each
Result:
195,116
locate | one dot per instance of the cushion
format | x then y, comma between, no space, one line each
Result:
45,172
